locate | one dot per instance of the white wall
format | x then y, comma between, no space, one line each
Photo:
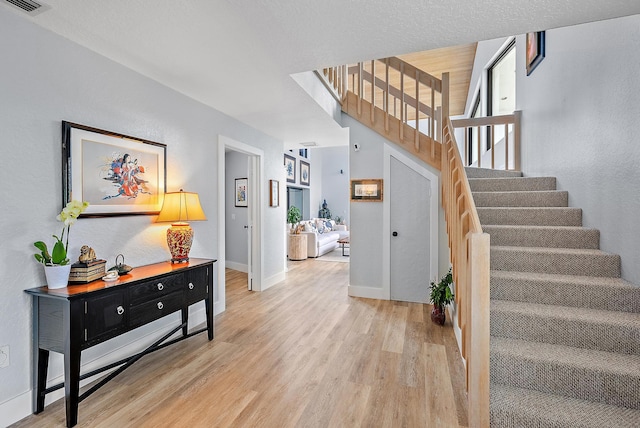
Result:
580,110
333,185
47,79
236,239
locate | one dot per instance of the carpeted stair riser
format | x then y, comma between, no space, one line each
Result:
607,294
546,198
531,216
583,374
513,407
543,236
512,184
555,260
577,327
492,173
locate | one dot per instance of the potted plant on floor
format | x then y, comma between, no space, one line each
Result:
440,297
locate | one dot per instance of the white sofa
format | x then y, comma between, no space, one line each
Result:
325,242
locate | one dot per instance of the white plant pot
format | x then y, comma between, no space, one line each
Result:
57,276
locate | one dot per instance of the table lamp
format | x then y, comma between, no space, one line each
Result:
179,208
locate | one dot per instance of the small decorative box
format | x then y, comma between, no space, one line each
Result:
87,272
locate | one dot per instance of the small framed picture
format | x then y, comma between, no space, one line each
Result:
304,173
290,168
366,190
274,194
241,192
535,50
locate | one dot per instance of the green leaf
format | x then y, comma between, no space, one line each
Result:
59,254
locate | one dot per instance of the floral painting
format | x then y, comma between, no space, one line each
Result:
290,168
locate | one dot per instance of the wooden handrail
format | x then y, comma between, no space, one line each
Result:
474,127
469,254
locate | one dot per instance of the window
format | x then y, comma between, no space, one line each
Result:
501,99
472,140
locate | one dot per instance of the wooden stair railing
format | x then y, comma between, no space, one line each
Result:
490,137
368,96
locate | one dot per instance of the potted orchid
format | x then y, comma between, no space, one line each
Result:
56,264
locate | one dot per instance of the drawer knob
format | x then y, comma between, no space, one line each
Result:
160,286
191,286
160,305
120,310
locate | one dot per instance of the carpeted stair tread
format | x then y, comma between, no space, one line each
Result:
484,172
513,407
608,294
584,374
538,198
535,216
543,236
586,328
566,261
512,184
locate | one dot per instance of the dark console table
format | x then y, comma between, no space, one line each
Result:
72,319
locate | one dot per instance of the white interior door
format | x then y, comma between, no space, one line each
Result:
410,221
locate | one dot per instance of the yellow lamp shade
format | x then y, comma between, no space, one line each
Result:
179,208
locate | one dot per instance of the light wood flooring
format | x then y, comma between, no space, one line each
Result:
301,354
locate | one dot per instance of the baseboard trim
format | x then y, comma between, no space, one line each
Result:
367,292
273,280
19,407
242,267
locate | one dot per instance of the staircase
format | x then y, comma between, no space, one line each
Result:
565,329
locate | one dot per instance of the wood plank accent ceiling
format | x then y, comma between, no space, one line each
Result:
457,60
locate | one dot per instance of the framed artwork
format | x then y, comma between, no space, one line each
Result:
366,190
535,50
304,173
274,194
117,174
241,192
290,168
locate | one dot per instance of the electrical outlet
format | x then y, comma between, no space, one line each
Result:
4,356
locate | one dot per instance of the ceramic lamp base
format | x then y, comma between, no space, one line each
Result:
179,240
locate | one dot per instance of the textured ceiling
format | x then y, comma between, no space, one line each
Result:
237,56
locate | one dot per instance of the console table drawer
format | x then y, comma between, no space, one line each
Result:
154,309
153,289
104,316
196,289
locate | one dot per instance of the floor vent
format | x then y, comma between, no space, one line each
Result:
29,6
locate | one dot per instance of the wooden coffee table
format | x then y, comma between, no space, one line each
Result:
342,243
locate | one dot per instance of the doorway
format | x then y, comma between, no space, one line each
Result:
251,224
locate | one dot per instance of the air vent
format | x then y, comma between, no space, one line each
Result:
29,6
309,144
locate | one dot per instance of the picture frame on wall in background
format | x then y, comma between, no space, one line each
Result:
535,50
290,168
274,194
117,174
242,192
305,172
366,190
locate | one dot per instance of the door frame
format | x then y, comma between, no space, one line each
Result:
256,218
434,179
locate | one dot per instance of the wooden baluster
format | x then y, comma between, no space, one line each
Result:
431,124
493,147
402,104
386,104
373,92
360,87
417,130
466,145
506,146
516,140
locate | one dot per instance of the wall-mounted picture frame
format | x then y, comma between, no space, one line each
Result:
535,50
242,192
274,193
117,174
305,173
366,190
290,168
